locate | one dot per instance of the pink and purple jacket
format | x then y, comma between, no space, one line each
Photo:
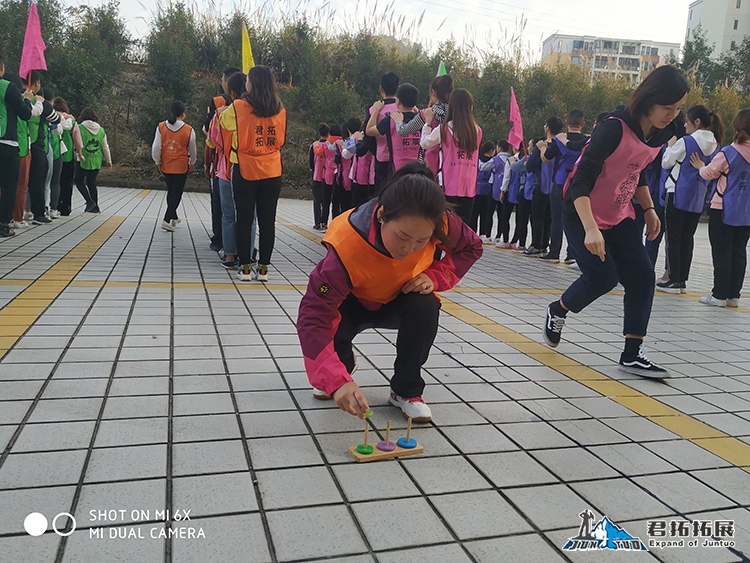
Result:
330,155
718,168
329,285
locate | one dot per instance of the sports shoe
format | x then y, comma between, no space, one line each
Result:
321,395
531,251
28,216
485,239
214,246
41,220
414,407
550,258
18,224
574,265
553,328
229,264
642,366
175,222
245,273
520,249
733,302
54,214
569,260
670,287
6,230
711,300
167,226
262,275
506,245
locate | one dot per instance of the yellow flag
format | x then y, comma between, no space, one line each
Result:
247,52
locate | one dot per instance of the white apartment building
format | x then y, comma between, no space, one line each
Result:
607,57
725,22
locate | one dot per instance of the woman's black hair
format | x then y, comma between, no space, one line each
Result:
60,104
236,84
741,126
323,130
664,86
175,110
88,114
335,130
263,95
353,124
47,94
504,145
708,120
413,191
486,147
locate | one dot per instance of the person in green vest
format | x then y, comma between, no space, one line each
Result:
95,152
71,139
38,134
13,106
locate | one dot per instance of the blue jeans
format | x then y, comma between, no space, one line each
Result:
228,217
625,261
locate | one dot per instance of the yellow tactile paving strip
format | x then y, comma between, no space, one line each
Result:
18,315
143,194
719,443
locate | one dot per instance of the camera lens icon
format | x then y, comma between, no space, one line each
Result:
36,524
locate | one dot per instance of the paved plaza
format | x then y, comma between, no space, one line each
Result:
164,406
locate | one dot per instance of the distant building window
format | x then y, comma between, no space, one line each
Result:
646,65
654,52
739,4
733,46
736,22
577,61
607,45
577,44
600,62
629,50
690,15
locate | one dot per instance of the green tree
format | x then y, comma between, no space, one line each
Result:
697,60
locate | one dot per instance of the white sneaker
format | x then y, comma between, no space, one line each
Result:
262,273
414,408
574,266
321,395
733,302
246,273
167,226
18,224
28,216
176,222
711,300
54,214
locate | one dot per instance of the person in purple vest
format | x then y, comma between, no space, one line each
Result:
498,165
685,205
481,223
564,150
599,219
729,213
373,143
541,218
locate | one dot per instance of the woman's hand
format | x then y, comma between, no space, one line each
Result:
377,106
429,115
696,161
397,116
594,243
420,284
653,223
349,398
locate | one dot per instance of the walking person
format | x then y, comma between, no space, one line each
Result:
729,213
71,138
598,214
258,123
95,152
174,153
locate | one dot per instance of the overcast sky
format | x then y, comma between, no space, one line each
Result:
654,20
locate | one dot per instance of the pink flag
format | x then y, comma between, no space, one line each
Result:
515,135
32,57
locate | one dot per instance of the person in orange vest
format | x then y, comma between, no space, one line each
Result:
258,124
174,153
348,292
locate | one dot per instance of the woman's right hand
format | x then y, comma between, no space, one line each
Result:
349,398
696,161
594,243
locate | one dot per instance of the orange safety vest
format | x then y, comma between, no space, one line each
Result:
174,148
219,102
374,276
259,140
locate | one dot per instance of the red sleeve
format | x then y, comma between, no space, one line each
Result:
318,149
464,248
318,320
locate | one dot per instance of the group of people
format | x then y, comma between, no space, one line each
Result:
44,150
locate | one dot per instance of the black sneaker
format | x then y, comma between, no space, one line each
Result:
41,220
553,328
6,231
214,246
549,258
569,259
229,264
531,251
670,287
642,366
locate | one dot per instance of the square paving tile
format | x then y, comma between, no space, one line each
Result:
214,494
112,464
527,548
480,514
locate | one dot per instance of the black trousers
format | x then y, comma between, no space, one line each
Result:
326,203
249,194
337,199
215,211
362,193
10,166
541,219
481,222
414,315
463,207
37,179
680,237
86,184
175,188
626,261
523,213
506,210
65,203
317,191
729,255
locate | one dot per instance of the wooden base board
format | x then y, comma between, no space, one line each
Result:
379,454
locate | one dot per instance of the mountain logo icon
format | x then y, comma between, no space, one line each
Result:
604,535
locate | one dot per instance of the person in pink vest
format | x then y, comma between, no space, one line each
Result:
377,144
460,138
599,218
317,169
331,171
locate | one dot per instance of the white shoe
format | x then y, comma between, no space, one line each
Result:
574,266
246,273
711,300
28,216
733,302
262,273
167,226
321,395
18,224
485,239
414,408
176,222
54,214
